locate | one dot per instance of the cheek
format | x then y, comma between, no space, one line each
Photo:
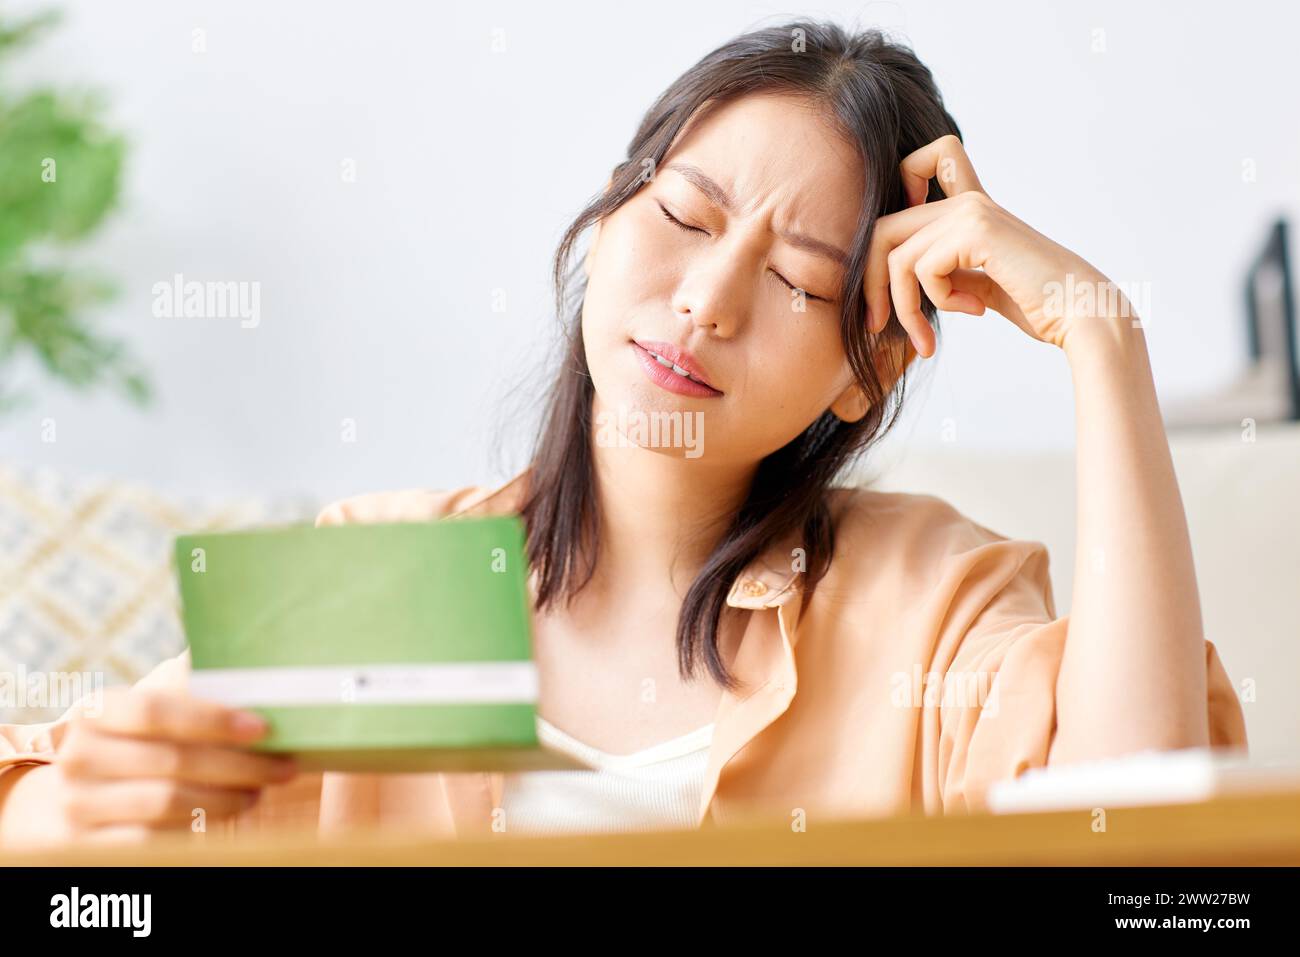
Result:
794,376
618,286
631,265
802,365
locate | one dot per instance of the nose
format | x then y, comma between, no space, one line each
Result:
715,292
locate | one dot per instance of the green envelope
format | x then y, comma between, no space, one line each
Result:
387,647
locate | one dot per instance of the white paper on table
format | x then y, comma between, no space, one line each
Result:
1146,777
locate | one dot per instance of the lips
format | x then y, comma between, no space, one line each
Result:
688,368
673,369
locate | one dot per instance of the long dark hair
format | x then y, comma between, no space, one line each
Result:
883,100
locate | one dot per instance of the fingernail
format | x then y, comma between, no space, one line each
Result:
247,724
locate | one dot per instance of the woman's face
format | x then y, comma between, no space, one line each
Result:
769,195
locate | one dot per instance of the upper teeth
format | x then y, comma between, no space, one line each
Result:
676,368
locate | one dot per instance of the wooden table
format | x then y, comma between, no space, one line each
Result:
1253,830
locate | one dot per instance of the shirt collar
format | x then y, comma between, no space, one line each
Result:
769,581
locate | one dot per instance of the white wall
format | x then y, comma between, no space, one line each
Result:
376,295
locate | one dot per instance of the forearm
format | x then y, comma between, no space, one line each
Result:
1133,672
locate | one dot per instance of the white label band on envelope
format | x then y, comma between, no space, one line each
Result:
472,682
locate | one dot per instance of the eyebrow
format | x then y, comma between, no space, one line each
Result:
724,200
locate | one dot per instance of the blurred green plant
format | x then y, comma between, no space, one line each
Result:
60,173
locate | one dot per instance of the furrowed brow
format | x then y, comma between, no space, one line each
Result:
705,184
725,201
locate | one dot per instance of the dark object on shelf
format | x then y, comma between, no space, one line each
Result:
1270,307
1269,389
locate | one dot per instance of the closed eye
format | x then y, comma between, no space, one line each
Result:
789,285
678,223
695,229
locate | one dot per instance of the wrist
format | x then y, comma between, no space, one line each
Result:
1111,336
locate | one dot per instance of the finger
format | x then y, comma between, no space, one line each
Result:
924,261
944,159
933,269
906,294
906,281
961,237
980,285
889,233
938,253
110,757
974,281
179,717
153,802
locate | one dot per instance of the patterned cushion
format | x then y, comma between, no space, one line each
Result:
87,585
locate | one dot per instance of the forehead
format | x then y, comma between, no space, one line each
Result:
778,151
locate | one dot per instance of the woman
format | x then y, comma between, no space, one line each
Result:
718,627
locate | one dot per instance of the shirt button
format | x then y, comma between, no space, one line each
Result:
753,588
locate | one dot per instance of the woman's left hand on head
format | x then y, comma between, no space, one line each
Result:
968,254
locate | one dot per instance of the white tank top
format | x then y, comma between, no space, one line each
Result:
658,787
